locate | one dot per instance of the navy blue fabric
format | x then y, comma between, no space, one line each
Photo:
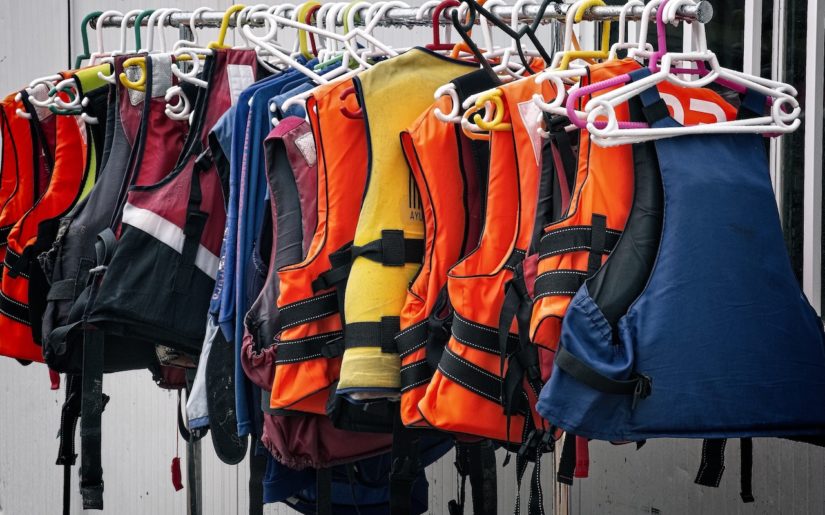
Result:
222,132
722,329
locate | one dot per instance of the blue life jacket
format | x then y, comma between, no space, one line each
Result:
716,339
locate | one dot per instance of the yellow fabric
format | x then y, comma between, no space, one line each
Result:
394,94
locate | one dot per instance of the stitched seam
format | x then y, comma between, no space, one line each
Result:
405,388
305,320
413,365
25,322
295,360
17,303
467,386
561,272
311,299
411,328
311,338
413,348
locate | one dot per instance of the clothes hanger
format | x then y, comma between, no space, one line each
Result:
504,67
197,15
437,45
137,26
34,86
603,53
84,37
123,29
624,43
784,110
95,57
348,40
156,17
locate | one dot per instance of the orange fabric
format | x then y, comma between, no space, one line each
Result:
65,184
342,171
476,284
17,172
604,185
432,149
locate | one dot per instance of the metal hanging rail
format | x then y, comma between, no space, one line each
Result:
408,16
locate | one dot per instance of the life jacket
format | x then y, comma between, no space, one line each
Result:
68,179
447,168
465,393
389,241
710,284
601,197
171,229
308,353
142,144
16,174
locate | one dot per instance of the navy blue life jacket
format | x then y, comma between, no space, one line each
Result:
695,327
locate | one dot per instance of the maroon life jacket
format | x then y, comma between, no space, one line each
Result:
305,440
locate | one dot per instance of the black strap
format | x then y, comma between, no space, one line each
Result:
559,282
476,461
307,310
516,257
412,338
92,399
415,374
405,467
656,112
325,345
470,376
257,472
392,249
194,226
713,462
478,336
567,461
373,334
17,264
341,263
639,385
323,487
575,238
746,470
15,310
564,146
62,290
536,443
91,410
4,234
482,461
598,237
66,454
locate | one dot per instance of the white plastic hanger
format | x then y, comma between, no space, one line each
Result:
197,14
625,43
122,50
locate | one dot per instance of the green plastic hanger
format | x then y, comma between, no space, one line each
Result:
84,36
138,20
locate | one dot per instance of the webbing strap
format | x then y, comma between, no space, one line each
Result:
392,249
713,462
470,376
479,336
15,310
92,399
515,258
66,454
341,261
373,334
91,410
4,233
323,487
476,461
412,338
194,226
307,310
17,264
575,238
62,290
598,237
415,374
752,105
535,444
712,466
325,345
405,467
639,386
559,282
746,470
653,107
567,461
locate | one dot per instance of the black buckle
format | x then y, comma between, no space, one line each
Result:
333,348
204,160
642,390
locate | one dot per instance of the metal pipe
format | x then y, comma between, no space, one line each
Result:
407,16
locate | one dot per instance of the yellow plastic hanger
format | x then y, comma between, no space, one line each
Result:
497,123
219,44
475,136
140,84
604,53
303,36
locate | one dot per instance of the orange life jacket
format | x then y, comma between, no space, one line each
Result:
310,344
65,185
465,393
17,167
574,248
444,165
